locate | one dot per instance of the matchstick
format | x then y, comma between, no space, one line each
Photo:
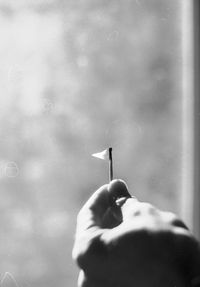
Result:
110,165
106,155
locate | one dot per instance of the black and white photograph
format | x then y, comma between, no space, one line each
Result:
99,143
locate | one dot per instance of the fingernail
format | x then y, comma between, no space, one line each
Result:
119,202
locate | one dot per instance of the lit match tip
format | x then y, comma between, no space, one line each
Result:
106,155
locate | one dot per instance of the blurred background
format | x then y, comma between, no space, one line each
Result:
75,78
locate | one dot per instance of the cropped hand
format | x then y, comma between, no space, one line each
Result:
121,242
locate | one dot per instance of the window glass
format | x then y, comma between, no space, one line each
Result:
76,78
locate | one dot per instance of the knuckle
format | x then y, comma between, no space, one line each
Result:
82,214
175,221
79,218
81,253
178,223
88,249
148,208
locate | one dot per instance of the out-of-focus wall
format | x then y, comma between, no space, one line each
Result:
75,78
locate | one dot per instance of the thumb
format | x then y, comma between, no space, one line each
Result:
118,189
118,194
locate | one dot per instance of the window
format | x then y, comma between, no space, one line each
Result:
190,199
77,77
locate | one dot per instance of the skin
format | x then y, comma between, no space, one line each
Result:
121,242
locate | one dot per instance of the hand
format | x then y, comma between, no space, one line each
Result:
121,242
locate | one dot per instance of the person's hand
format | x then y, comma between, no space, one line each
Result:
121,242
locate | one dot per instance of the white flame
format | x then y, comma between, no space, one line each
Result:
102,155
